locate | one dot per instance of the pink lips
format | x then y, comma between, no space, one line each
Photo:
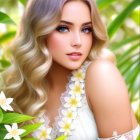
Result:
74,55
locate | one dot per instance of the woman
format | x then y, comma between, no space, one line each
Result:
64,75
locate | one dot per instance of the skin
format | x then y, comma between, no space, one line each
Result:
106,91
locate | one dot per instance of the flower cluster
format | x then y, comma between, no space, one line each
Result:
72,101
13,132
9,121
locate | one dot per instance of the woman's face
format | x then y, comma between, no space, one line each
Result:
71,42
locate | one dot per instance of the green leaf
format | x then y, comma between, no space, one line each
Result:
138,138
104,3
3,132
1,115
23,2
7,36
63,137
29,139
134,15
4,18
133,75
15,118
114,26
127,59
125,41
128,52
30,128
4,63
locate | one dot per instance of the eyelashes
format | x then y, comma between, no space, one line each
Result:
87,30
63,29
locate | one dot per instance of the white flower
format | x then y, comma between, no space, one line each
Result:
69,114
44,133
5,102
73,102
66,126
13,132
77,88
78,76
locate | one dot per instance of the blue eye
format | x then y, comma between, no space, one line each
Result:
87,30
62,29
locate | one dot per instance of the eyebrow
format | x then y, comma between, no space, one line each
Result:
70,23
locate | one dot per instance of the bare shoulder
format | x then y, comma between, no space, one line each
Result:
102,65
108,97
104,73
104,78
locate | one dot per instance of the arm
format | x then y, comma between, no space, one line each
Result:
108,98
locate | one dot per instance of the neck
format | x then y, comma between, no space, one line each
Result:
58,76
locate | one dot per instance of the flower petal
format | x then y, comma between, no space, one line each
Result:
9,100
2,95
49,130
8,136
8,128
14,126
4,107
20,131
17,138
61,123
9,108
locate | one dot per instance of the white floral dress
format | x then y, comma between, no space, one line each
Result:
75,119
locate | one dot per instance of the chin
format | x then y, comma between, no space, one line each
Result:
74,65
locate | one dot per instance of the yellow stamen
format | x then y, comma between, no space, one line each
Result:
14,132
79,75
69,115
67,126
43,134
2,102
77,89
73,102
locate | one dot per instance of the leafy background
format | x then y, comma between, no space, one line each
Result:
122,18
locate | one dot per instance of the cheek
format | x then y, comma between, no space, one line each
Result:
55,42
88,42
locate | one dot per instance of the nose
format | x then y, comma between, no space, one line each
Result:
76,40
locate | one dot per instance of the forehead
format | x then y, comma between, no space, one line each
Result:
76,11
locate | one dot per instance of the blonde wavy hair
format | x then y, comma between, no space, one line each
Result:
26,79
